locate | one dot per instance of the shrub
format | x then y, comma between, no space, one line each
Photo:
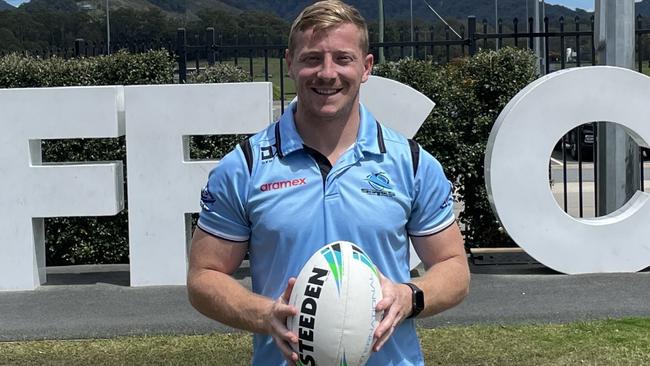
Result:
121,68
469,94
220,73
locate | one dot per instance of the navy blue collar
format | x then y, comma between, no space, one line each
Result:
370,138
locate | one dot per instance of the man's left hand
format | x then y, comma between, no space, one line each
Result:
396,305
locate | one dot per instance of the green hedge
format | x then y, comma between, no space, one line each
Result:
469,94
121,68
89,240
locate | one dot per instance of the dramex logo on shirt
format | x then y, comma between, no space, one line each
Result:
283,184
164,182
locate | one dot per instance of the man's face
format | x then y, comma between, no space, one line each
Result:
328,68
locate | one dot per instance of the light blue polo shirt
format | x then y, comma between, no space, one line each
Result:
287,206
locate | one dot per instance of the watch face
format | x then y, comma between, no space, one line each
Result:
419,299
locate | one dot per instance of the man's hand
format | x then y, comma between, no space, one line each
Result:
276,318
396,305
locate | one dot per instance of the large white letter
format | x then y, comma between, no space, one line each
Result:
31,190
164,184
517,170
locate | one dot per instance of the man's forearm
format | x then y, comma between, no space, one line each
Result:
220,297
445,285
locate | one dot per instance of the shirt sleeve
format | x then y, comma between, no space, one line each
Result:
223,199
433,204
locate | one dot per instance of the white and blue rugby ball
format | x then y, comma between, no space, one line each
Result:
336,293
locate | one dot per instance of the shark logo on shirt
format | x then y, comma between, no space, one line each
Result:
380,184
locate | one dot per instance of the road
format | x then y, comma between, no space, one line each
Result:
95,302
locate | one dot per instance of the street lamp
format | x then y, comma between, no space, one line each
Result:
108,29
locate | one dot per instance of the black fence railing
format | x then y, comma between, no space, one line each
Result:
84,48
426,45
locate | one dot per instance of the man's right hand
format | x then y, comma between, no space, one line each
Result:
276,318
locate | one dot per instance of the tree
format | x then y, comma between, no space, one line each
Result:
8,40
129,25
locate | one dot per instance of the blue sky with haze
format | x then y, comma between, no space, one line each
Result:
582,4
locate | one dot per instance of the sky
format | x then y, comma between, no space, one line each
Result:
582,4
16,2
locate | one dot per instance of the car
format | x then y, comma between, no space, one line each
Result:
585,142
581,137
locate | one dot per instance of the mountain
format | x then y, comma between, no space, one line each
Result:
5,6
458,9
173,8
289,9
482,9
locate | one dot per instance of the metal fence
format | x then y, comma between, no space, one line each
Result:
84,48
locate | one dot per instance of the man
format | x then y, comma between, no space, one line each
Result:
326,171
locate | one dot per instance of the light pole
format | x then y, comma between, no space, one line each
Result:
108,29
381,31
539,13
412,32
496,22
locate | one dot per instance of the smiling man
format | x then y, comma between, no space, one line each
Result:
326,171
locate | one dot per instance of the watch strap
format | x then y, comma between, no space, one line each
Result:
417,298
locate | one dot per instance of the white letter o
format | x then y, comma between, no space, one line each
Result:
516,170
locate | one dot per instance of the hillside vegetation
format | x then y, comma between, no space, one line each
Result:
459,9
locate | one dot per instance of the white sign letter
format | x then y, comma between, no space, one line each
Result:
516,170
164,184
31,190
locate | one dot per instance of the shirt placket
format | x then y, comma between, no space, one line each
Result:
331,201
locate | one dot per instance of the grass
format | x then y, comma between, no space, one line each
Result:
274,74
258,72
217,349
610,342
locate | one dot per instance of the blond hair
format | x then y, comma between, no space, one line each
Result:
328,14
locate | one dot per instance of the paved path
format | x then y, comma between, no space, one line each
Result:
96,302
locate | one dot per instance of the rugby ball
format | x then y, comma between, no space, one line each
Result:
335,293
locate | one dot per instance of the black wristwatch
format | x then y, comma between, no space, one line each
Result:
418,300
